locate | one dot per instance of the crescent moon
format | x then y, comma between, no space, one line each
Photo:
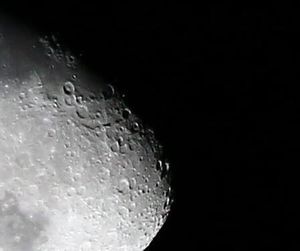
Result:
78,170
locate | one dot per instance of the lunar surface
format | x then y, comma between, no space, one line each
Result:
78,170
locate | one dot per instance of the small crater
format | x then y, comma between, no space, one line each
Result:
68,88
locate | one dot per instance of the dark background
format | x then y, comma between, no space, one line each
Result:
219,85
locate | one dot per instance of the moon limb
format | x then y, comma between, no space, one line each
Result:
75,173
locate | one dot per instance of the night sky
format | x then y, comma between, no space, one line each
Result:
218,83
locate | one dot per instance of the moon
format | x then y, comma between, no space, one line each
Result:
78,170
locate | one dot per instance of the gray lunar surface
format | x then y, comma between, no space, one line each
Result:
78,170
